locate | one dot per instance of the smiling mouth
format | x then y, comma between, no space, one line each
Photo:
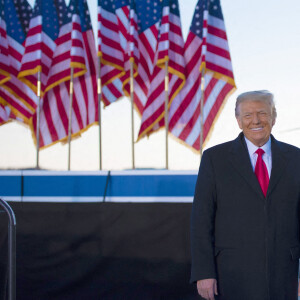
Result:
257,129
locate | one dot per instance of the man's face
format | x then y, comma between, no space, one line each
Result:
256,120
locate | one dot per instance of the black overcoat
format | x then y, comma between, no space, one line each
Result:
248,242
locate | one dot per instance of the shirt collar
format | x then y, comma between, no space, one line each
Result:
252,148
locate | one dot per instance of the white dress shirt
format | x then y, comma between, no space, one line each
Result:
267,156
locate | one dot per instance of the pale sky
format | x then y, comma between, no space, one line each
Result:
264,41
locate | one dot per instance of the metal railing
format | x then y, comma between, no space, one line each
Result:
11,250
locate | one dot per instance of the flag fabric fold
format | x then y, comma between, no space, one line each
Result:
69,47
60,66
145,33
54,115
4,57
170,48
113,24
132,53
112,91
40,44
113,20
123,37
15,94
78,54
148,16
6,114
206,48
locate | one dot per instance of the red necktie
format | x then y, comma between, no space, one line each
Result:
261,171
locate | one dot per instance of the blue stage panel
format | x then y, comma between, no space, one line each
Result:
61,186
152,185
10,183
97,186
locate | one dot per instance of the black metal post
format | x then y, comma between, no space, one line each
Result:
106,185
11,250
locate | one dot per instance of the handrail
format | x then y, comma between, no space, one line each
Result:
11,250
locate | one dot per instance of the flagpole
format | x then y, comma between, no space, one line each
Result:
38,119
132,116
203,65
70,118
99,114
201,112
167,111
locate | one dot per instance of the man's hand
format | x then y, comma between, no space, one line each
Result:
207,288
299,288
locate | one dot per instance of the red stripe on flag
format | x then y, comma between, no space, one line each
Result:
218,51
216,32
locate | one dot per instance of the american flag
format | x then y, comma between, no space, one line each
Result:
113,22
149,15
146,32
4,63
121,25
60,67
132,53
206,46
4,57
78,54
55,109
112,34
171,48
69,48
40,43
16,95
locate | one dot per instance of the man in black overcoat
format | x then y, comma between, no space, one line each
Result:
245,216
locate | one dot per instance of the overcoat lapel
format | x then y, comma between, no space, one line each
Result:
241,162
279,162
